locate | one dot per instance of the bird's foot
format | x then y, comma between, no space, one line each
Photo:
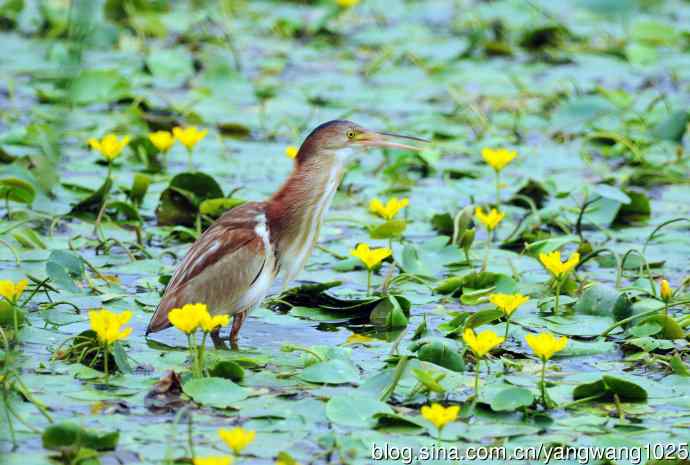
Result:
218,342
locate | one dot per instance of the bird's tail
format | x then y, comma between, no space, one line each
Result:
159,321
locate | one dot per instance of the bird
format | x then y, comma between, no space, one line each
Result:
234,263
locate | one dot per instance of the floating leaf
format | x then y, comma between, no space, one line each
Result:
355,410
607,386
215,392
512,398
334,371
70,436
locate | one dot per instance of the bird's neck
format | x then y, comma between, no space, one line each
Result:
297,211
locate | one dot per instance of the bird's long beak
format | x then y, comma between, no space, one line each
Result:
387,139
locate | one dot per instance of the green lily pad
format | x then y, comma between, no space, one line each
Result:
512,398
607,386
215,392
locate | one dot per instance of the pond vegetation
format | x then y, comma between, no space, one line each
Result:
521,281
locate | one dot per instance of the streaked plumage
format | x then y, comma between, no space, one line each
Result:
234,263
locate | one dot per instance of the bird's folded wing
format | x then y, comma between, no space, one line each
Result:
227,258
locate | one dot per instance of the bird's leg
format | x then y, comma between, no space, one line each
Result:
218,343
237,321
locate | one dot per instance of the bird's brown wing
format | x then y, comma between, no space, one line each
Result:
226,259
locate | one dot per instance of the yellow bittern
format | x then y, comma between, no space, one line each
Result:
234,263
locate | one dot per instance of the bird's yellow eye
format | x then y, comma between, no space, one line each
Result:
350,134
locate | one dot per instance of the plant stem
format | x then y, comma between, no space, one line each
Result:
487,249
558,296
15,318
476,379
193,354
498,189
105,362
201,352
507,327
190,165
369,282
543,384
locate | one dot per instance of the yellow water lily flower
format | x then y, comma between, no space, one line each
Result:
508,303
439,415
213,460
237,438
498,158
108,325
189,317
482,343
347,3
209,323
552,262
162,140
545,345
11,291
110,147
189,136
666,291
291,151
371,257
388,210
489,219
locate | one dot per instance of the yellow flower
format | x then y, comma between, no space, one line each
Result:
110,146
189,136
666,292
213,460
108,325
162,140
544,345
12,291
390,209
489,219
498,158
291,151
552,262
482,343
439,415
508,303
188,318
237,438
209,323
347,3
371,257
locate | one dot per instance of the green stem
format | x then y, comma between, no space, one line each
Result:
369,282
190,165
666,308
202,351
399,371
15,318
625,321
193,354
105,362
476,379
558,296
498,189
487,248
507,327
543,384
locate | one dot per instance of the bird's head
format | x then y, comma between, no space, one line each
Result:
341,138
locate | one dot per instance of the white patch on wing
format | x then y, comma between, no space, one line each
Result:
259,289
